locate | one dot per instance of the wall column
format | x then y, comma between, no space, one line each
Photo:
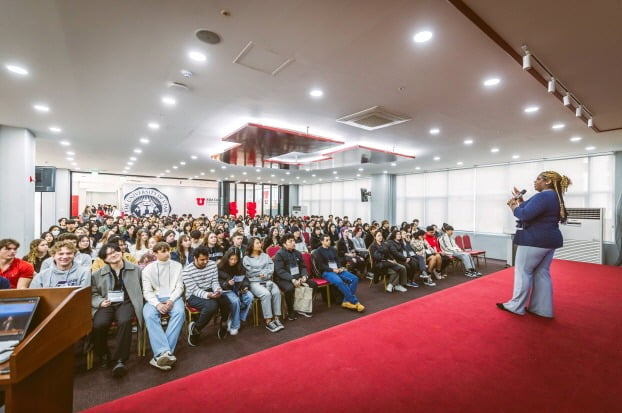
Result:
383,198
17,174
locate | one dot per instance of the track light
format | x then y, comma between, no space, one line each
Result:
551,88
590,123
579,112
567,100
527,61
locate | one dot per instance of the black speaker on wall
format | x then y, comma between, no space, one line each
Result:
45,179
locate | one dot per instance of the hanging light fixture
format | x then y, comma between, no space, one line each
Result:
551,86
579,111
590,123
567,100
527,61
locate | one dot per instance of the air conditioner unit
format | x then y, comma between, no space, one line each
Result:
299,210
583,236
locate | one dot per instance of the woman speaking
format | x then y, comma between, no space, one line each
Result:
537,237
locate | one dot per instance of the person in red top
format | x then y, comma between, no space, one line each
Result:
430,237
17,271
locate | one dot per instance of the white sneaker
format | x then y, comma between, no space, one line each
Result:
400,289
389,288
155,364
233,331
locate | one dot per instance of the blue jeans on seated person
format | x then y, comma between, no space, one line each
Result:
240,306
161,340
340,280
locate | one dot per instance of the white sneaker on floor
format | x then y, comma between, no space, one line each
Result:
400,289
155,364
233,331
389,288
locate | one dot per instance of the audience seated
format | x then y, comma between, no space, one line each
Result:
64,270
449,247
236,287
383,260
17,271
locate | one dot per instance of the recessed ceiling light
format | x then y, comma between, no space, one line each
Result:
182,163
287,173
195,176
313,175
258,170
138,150
417,167
70,153
304,182
320,179
153,125
435,131
202,173
130,163
358,174
232,176
193,157
282,179
316,93
55,129
168,171
69,159
335,172
41,107
74,163
590,148
468,141
77,168
259,178
175,166
18,70
558,126
65,143
297,177
493,81
197,56
169,100
384,172
186,73
437,158
244,173
459,163
575,139
144,140
531,109
133,158
393,164
515,156
494,150
272,175
361,169
212,170
423,36
223,167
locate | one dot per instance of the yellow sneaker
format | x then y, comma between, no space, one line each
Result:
349,305
360,307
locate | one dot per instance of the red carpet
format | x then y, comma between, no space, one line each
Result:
449,351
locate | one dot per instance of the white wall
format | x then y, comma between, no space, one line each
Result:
336,198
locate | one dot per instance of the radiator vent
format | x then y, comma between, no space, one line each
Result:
373,118
584,213
583,236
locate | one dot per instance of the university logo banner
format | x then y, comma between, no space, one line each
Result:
146,201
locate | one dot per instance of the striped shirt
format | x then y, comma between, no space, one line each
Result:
199,282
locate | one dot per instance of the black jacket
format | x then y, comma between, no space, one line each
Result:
380,254
226,274
396,250
284,260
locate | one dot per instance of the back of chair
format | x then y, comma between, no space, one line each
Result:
316,270
273,250
467,242
306,257
305,236
459,242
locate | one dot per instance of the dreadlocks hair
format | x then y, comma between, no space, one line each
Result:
560,186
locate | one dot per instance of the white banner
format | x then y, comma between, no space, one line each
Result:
164,200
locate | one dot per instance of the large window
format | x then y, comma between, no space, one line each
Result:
474,199
336,198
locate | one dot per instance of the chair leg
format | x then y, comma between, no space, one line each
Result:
90,355
328,295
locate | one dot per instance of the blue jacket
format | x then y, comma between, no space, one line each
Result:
539,217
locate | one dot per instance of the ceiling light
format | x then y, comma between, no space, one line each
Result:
74,163
212,170
493,81
423,36
494,150
468,141
437,158
575,139
320,179
182,163
55,129
70,153
193,157
551,86
169,100
258,170
186,73
590,148
287,173
579,112
361,169
297,177
138,150
459,163
232,176
358,175
197,56
566,100
175,166
69,159
316,93
259,178
557,126
18,70
223,167
313,175
417,167
335,172
304,182
77,168
531,109
144,140
130,163
393,164
244,173
384,172
153,125
590,123
41,107
202,173
65,143
435,131
282,179
168,171
132,158
272,175
527,61
515,156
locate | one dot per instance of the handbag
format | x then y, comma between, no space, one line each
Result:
303,299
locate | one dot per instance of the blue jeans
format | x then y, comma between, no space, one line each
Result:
240,306
161,340
340,280
532,281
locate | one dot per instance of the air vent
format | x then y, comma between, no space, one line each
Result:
584,213
373,118
261,59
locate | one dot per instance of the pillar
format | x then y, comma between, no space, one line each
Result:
383,198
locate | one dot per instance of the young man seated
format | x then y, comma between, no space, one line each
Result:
17,271
162,289
64,271
326,260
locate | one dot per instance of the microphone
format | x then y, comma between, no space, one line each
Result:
520,194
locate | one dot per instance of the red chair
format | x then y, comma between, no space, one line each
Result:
474,253
459,242
271,251
305,236
314,273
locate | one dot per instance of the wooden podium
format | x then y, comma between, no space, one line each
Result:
42,365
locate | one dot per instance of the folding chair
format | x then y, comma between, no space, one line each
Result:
474,253
313,273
